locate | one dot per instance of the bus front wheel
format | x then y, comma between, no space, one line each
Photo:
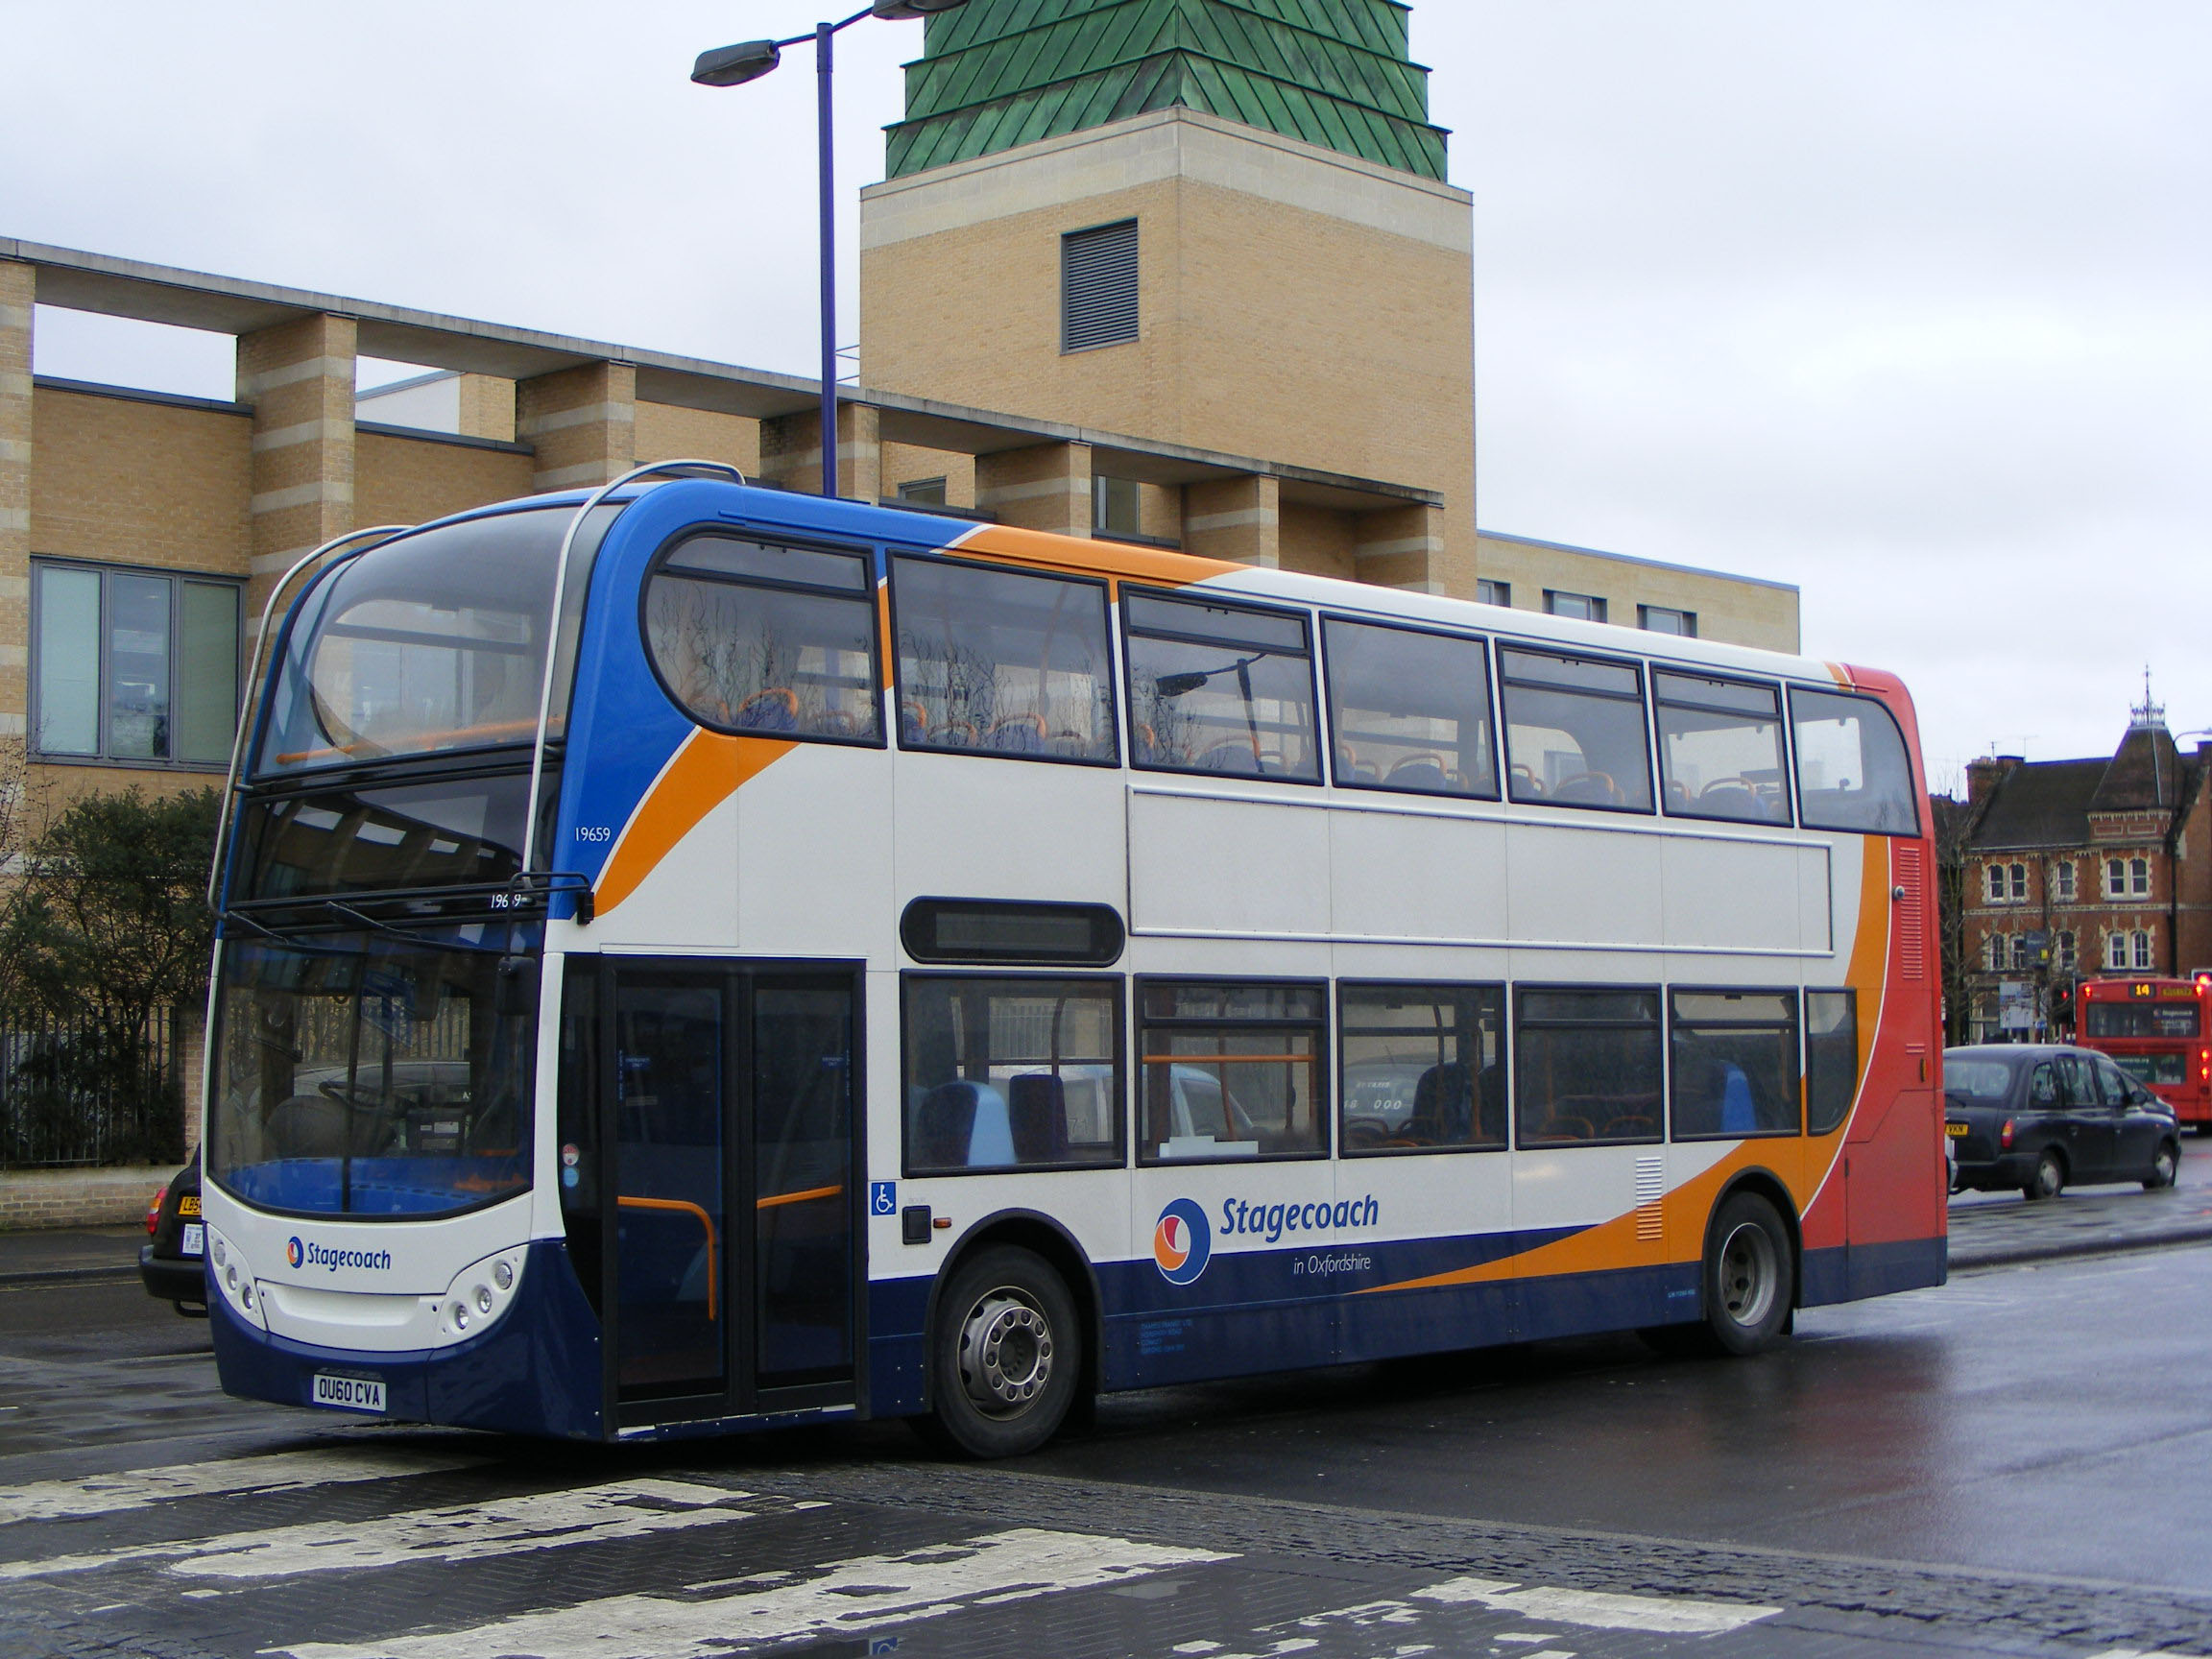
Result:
1005,1355
1747,1275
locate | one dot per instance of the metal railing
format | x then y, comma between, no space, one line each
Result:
88,1091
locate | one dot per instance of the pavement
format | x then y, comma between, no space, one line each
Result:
1987,1229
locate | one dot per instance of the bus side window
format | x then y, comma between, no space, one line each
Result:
1420,1067
1220,688
1852,769
1230,1070
1586,1064
1410,709
1012,1071
1831,1058
1575,734
1735,1064
1721,748
768,640
1003,663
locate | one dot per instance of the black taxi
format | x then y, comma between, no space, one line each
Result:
172,1262
2039,1116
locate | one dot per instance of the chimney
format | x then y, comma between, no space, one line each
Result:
1983,775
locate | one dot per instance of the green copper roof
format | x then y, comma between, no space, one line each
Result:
998,73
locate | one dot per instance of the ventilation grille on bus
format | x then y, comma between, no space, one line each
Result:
1651,1198
1098,286
1913,948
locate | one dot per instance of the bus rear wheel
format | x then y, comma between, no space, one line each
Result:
1749,1271
1005,1355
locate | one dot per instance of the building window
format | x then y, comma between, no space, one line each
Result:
2141,949
1099,287
1116,508
132,665
2139,877
1489,593
1582,606
1994,953
2116,952
2127,878
2065,952
923,492
1659,619
2065,877
2020,961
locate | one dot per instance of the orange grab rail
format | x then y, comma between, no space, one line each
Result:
683,1207
811,1194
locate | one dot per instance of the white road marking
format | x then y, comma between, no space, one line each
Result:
862,1594
269,1472
1600,1610
462,1532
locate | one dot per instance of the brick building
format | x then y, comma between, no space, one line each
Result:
2077,868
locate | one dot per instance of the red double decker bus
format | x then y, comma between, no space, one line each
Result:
2159,1031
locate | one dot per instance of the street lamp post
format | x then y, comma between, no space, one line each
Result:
749,60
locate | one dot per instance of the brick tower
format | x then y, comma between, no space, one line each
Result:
1216,222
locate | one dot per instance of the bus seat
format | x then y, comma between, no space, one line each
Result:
1739,1111
1443,1105
913,724
955,734
1629,1126
944,1124
1588,789
1017,734
1425,772
1037,1113
771,709
990,1142
1236,755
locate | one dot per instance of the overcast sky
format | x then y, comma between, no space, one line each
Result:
1906,301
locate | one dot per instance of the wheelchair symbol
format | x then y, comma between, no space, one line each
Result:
883,1197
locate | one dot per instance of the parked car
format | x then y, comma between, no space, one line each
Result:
2042,1116
172,1262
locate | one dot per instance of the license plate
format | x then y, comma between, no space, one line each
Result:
188,1205
349,1393
195,1239
1955,1129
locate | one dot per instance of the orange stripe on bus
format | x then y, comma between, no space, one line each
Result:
706,771
1042,548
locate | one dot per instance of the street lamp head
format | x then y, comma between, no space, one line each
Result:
899,10
734,66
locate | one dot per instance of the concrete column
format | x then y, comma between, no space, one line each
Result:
1401,547
298,377
19,288
1240,518
1046,486
582,422
791,452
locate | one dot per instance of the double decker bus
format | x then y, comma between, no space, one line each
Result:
695,957
2160,1032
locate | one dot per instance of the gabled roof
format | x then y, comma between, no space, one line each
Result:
996,74
2145,774
2039,803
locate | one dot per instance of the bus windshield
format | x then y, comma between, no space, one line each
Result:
427,643
372,1074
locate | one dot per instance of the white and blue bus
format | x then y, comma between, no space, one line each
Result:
695,957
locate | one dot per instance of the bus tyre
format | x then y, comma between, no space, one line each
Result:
1005,1354
1748,1275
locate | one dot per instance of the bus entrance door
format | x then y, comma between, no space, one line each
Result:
730,1118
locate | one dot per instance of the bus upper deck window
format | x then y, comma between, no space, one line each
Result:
1220,689
1574,732
1721,748
1852,769
766,639
1410,709
1002,661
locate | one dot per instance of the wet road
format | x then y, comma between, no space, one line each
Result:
2020,1461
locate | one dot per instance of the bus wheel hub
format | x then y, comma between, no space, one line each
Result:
1005,1352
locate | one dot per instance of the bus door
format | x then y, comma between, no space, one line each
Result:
730,1124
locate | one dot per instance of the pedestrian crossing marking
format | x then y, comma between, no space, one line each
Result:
459,1532
1602,1610
864,1593
265,1472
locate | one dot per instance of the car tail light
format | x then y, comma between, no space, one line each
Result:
2005,1134
153,1213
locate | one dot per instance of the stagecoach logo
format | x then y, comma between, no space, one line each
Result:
308,1254
1182,1243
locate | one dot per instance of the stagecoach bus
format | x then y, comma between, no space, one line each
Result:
2160,1032
695,957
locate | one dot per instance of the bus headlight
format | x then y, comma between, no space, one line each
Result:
234,1279
480,1295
